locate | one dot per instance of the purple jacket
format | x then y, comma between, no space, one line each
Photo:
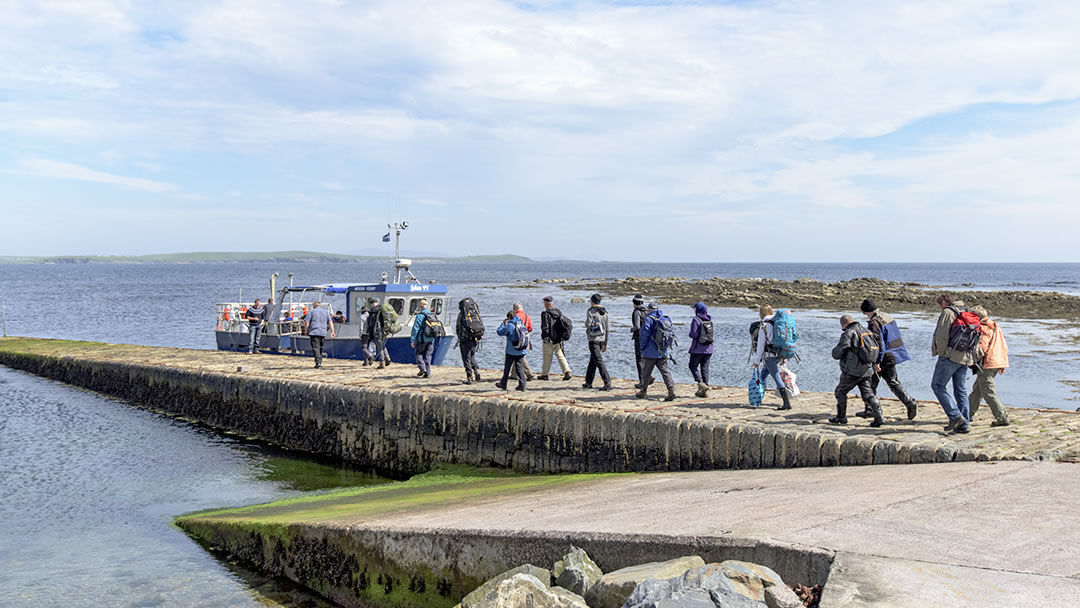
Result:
701,313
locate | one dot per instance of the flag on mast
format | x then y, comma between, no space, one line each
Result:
386,238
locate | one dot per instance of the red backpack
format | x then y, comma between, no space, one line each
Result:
965,331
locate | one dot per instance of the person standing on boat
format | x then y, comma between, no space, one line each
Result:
255,316
318,323
423,343
376,332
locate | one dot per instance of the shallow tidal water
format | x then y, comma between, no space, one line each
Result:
88,490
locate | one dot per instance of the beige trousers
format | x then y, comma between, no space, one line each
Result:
556,350
986,390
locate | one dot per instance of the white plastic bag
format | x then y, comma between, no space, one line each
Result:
788,377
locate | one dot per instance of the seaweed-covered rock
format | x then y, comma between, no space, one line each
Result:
576,572
613,588
526,590
540,574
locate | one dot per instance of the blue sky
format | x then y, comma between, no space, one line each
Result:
711,131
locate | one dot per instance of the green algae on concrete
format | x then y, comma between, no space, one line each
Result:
301,538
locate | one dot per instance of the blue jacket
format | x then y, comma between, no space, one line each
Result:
701,313
648,327
889,334
417,336
509,329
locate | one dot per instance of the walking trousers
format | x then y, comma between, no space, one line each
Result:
555,350
596,363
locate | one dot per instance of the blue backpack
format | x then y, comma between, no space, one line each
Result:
784,334
521,337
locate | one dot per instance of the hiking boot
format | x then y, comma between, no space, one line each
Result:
381,365
500,385
637,385
786,396
642,394
702,390
606,387
866,413
670,395
912,410
875,408
467,381
541,377
953,423
962,429
529,377
1000,423
477,374
427,374
841,415
420,374
586,385
838,420
520,387
567,376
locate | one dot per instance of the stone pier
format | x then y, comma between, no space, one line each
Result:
393,421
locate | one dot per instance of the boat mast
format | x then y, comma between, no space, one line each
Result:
400,265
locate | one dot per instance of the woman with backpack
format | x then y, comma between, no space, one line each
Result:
765,357
423,340
995,361
517,343
701,348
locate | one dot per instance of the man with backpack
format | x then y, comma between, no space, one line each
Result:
956,340
517,343
893,352
636,318
554,331
857,351
701,348
770,347
425,330
596,332
519,310
470,330
380,323
657,340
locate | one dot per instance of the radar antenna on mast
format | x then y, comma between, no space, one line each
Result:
401,265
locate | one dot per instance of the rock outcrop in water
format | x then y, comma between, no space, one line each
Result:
891,296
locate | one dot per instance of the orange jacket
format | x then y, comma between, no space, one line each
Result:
992,344
525,319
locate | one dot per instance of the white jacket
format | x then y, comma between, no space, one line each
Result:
765,332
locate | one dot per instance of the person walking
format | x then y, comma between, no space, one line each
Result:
376,332
856,369
255,316
515,331
701,348
519,310
552,328
994,362
764,355
318,322
893,352
596,332
636,318
469,330
422,339
955,351
657,338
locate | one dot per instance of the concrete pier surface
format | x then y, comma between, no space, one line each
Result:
391,420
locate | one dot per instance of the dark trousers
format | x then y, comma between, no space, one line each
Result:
424,352
637,357
848,382
596,363
378,344
468,356
699,366
253,344
317,348
888,374
514,361
647,365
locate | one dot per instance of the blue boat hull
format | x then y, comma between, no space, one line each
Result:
334,348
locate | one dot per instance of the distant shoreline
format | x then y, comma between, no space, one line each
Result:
211,257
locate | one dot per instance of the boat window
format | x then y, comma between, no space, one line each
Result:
436,306
414,306
398,304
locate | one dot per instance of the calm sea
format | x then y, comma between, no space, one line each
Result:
85,515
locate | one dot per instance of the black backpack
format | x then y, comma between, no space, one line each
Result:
705,333
867,348
473,324
561,327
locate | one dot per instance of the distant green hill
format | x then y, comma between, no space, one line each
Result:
216,257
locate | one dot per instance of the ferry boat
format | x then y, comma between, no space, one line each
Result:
284,333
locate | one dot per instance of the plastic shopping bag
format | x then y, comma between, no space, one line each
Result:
788,378
756,388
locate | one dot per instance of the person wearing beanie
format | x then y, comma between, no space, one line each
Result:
636,318
892,353
596,332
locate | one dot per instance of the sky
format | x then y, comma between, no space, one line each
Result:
617,130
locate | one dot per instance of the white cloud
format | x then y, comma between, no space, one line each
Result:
40,167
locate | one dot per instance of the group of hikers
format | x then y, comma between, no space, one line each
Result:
964,339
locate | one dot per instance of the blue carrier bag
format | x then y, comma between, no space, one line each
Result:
756,388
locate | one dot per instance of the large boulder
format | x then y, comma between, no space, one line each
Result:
613,588
704,587
540,574
780,596
750,579
527,590
576,572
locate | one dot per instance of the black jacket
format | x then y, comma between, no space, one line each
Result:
636,318
548,318
845,352
374,329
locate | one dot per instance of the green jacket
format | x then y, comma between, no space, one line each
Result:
940,346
